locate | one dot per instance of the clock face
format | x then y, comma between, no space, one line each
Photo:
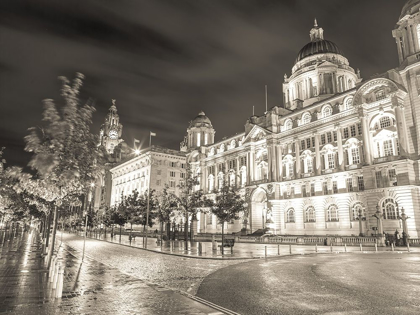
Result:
113,134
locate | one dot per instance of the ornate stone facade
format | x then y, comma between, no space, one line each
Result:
342,152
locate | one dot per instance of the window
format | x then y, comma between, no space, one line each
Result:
355,156
356,210
211,183
353,131
302,144
198,139
304,191
350,184
312,189
310,214
329,138
392,177
360,183
385,122
308,142
378,176
172,183
388,151
346,133
335,135
380,95
323,139
306,118
326,111
309,165
359,129
335,188
325,188
290,216
173,164
182,165
349,103
331,160
182,175
172,174
232,164
288,124
332,213
389,209
209,219
313,142
243,161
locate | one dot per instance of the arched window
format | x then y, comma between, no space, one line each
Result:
232,179
243,176
389,209
326,111
221,180
290,216
384,122
288,164
349,103
310,214
306,118
356,210
332,213
288,125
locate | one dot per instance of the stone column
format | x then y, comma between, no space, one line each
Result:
279,163
366,139
297,155
317,155
252,165
237,173
340,149
248,167
270,162
401,126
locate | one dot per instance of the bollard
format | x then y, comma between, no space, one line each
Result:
331,248
265,252
278,249
200,251
53,260
213,243
408,247
392,247
58,267
53,269
290,249
60,282
376,247
361,248
316,248
345,248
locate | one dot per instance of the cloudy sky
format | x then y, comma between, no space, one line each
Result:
166,60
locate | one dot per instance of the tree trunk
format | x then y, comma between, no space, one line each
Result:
161,232
53,236
120,233
223,237
47,242
131,231
168,230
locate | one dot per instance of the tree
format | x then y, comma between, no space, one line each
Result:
227,207
190,199
165,204
65,152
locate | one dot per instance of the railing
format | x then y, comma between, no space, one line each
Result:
321,240
328,171
353,166
261,181
306,175
414,241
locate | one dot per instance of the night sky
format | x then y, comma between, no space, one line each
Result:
166,60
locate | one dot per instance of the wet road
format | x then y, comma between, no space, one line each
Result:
382,283
179,273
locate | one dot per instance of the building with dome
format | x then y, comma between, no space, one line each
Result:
340,158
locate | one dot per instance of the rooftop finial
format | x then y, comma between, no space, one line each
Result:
113,101
315,23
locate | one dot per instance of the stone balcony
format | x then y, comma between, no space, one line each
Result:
386,159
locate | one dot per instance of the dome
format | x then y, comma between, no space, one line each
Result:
410,7
201,121
318,47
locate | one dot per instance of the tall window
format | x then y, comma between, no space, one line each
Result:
350,184
389,209
243,177
355,156
392,177
388,150
325,188
290,216
309,165
312,189
353,130
198,139
206,139
304,190
335,187
310,214
356,210
360,183
331,160
211,183
378,177
332,213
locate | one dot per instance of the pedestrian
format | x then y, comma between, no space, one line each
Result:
397,238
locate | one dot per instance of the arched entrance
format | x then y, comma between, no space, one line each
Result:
259,207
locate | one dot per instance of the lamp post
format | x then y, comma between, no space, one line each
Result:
86,221
403,217
360,218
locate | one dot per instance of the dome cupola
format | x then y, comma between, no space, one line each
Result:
201,120
199,133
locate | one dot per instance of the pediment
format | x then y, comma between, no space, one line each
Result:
257,133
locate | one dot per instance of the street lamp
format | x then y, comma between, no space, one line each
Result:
403,217
360,218
379,215
86,222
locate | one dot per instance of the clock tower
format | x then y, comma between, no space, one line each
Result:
111,130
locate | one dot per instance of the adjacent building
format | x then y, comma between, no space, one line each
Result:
340,157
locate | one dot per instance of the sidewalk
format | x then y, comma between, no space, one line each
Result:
89,287
240,250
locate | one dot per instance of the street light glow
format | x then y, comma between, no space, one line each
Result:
137,151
